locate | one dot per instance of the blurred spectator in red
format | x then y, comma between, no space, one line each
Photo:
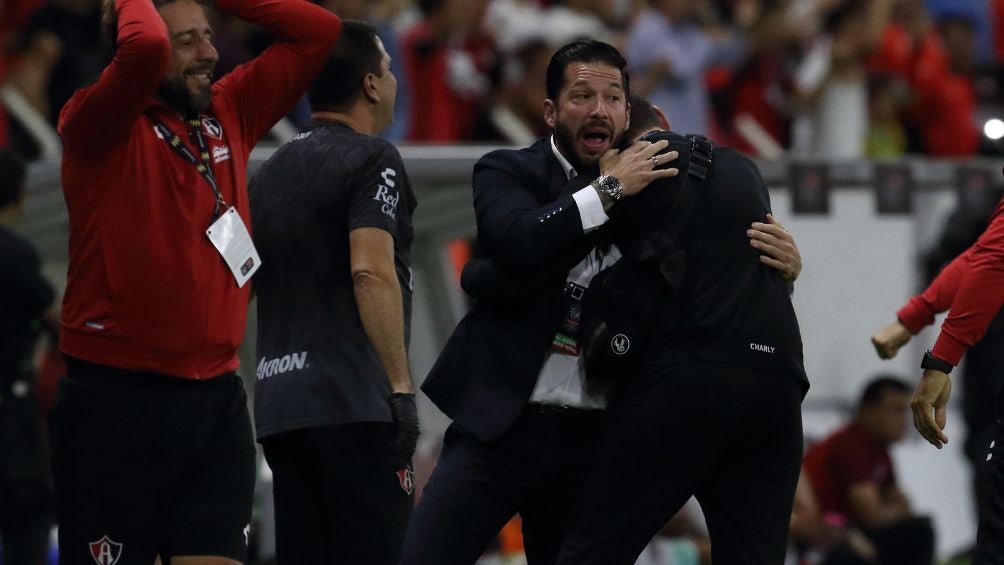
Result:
937,63
853,477
824,538
759,94
447,62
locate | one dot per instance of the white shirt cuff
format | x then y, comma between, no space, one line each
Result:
590,209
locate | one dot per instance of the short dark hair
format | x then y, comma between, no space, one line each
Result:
355,54
584,51
12,175
643,117
877,388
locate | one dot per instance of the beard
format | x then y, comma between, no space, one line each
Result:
176,94
565,138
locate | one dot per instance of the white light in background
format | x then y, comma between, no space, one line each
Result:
994,129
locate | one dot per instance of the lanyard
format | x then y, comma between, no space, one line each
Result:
204,167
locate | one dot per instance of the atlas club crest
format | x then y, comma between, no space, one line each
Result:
407,479
105,551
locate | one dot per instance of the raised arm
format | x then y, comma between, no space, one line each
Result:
264,90
97,117
978,295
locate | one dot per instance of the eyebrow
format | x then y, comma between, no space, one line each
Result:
585,82
191,31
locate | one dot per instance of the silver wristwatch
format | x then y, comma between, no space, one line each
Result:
610,186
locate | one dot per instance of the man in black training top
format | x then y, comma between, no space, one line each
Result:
714,409
334,402
26,501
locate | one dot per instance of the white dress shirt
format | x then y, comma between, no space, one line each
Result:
562,378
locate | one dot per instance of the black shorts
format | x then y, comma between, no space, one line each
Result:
340,496
149,465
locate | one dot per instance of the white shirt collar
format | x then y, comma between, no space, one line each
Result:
565,165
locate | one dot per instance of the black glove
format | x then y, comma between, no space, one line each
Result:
405,413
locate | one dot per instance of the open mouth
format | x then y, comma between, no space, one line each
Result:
596,139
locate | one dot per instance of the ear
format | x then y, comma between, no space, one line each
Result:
627,115
370,90
662,117
550,113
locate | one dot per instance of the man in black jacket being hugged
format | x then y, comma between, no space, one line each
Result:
714,409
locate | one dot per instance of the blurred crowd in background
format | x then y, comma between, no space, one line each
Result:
833,79
820,78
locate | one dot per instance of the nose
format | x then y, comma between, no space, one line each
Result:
207,51
599,109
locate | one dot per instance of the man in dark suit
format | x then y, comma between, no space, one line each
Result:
525,419
713,411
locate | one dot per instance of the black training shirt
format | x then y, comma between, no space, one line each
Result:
24,296
315,365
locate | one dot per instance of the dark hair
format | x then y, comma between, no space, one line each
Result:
355,55
877,388
430,7
12,175
110,17
585,51
643,118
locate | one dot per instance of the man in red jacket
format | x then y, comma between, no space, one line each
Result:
971,288
153,451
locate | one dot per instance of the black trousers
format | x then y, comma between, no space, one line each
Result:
909,542
990,538
728,435
149,465
535,469
341,497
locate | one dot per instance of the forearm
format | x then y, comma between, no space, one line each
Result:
289,21
381,310
103,112
264,89
921,309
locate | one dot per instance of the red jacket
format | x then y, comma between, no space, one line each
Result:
146,289
971,287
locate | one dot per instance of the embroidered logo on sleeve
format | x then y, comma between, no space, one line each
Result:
384,195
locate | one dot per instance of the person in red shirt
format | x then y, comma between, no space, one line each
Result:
854,480
971,289
446,63
152,446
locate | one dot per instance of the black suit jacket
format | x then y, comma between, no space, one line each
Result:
530,229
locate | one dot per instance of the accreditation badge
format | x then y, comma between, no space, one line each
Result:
566,341
231,238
